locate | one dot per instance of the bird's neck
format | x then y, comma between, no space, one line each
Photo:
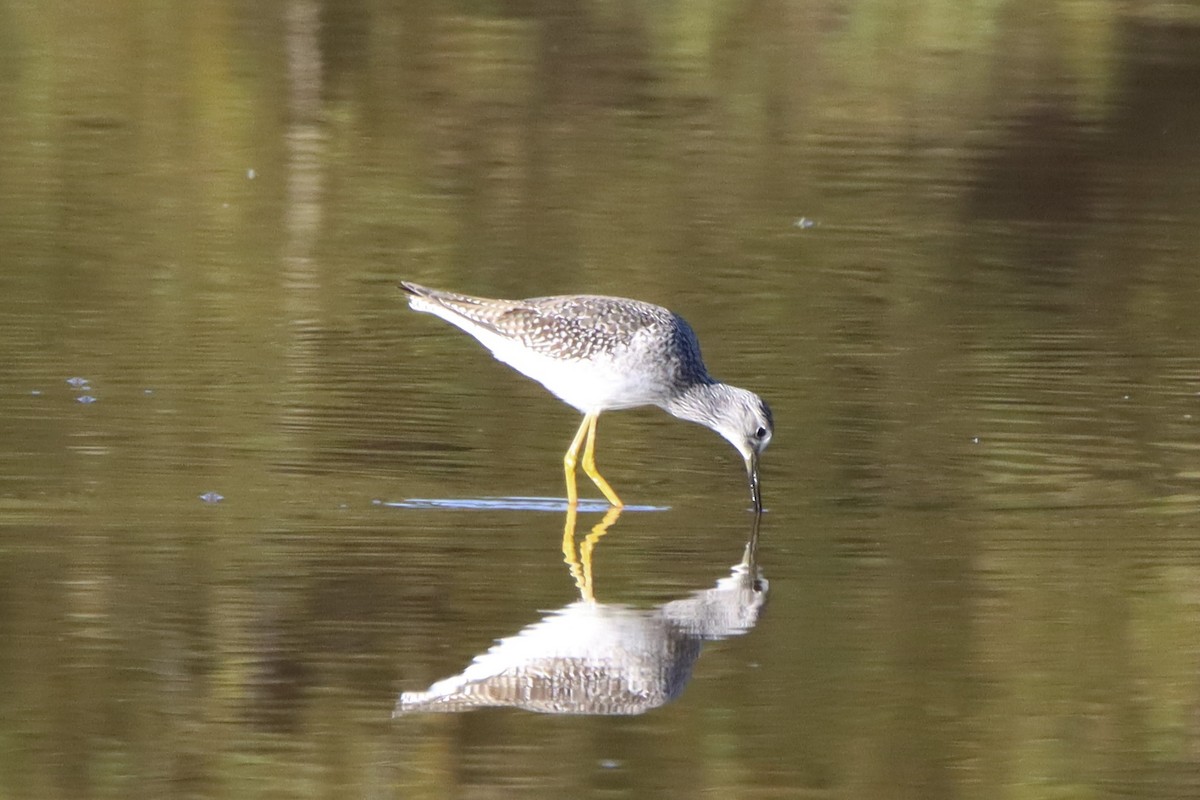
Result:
696,402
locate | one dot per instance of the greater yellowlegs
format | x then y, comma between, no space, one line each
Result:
600,353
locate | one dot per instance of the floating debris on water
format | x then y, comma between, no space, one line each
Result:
77,382
85,398
804,223
212,497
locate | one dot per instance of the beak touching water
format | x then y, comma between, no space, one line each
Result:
755,482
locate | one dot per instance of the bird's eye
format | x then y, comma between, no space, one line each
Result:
760,433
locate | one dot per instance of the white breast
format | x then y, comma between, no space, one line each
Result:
589,386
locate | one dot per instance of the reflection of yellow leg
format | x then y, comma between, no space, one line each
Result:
568,548
589,544
589,462
581,566
569,460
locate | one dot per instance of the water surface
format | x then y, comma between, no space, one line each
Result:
954,248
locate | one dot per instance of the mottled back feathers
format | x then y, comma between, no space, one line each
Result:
582,326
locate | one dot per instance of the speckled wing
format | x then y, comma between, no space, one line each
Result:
582,327
577,326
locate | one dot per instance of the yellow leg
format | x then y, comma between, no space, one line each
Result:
589,462
571,458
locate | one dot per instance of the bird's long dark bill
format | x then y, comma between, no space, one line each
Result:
755,483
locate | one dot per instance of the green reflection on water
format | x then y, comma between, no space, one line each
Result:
982,494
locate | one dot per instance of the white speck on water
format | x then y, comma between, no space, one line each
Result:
85,398
974,440
804,223
36,393
212,497
609,763
147,391
251,174
77,382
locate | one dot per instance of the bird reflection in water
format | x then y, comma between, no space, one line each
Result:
602,658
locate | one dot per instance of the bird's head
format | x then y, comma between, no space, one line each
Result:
744,419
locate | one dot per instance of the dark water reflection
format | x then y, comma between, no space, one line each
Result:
983,493
601,658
